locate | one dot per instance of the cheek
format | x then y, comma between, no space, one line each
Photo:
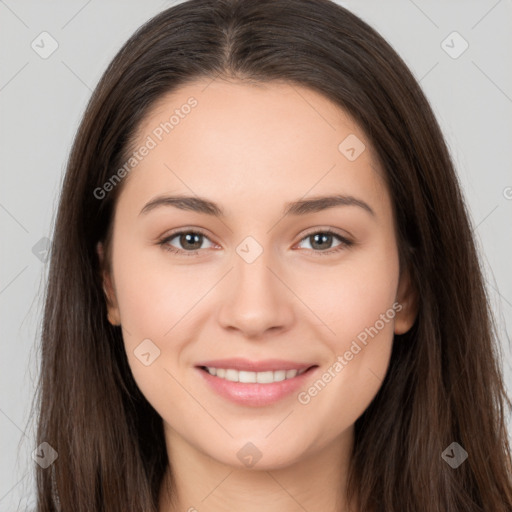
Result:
153,304
161,302
153,295
356,303
351,296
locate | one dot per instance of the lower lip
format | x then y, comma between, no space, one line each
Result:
254,394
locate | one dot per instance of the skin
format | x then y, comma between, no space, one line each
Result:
252,149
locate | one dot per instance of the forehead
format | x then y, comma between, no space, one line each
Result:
254,142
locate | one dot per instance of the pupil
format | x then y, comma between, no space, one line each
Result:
323,237
186,240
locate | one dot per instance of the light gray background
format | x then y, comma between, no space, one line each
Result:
42,101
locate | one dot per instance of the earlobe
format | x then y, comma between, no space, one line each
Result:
407,298
113,315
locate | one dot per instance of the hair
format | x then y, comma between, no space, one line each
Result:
444,381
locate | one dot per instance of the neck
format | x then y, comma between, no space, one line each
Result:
196,481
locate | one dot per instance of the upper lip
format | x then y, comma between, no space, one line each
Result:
240,364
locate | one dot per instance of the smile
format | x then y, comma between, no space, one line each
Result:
248,377
255,384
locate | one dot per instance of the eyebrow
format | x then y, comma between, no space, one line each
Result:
300,207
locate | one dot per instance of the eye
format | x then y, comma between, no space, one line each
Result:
191,241
323,239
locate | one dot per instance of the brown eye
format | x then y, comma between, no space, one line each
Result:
189,242
321,242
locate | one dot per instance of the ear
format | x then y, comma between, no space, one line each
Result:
108,288
407,298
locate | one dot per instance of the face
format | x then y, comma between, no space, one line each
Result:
256,269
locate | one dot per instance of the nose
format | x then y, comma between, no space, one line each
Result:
255,299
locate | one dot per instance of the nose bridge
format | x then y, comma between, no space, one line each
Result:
254,278
256,299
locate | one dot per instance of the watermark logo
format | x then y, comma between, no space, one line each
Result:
44,45
454,455
249,455
454,45
249,249
41,250
147,352
45,455
351,147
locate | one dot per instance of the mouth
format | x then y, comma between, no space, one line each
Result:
255,384
249,377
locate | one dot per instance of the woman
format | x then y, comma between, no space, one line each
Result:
243,372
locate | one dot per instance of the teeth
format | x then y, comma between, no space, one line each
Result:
279,375
254,377
291,373
231,375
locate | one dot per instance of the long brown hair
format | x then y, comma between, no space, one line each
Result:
444,382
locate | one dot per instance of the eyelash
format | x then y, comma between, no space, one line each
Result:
345,243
